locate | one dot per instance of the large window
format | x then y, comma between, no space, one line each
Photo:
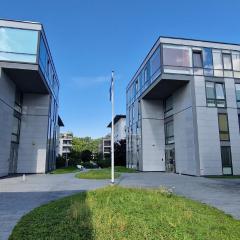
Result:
169,133
168,106
177,59
197,62
215,93
238,94
227,65
226,160
223,127
18,45
217,63
236,63
207,61
155,64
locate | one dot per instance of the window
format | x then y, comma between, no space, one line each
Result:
238,94
207,61
197,62
136,86
217,63
18,45
223,127
155,64
226,160
168,104
177,59
169,133
215,93
227,65
236,63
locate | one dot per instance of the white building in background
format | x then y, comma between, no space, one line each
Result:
104,147
119,127
65,144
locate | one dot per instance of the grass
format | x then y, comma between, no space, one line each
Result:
69,169
126,213
104,173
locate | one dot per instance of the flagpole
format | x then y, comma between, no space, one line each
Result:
112,132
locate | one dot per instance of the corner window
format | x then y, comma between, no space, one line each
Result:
177,59
226,160
215,93
238,94
169,133
223,127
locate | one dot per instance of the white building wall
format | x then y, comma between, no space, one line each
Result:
186,161
233,124
120,130
33,137
7,98
153,142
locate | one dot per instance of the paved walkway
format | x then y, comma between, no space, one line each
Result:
17,197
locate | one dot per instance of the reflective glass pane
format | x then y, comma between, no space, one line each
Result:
197,59
226,156
16,57
227,62
238,91
236,61
223,122
220,93
211,103
43,55
207,61
210,91
217,59
155,62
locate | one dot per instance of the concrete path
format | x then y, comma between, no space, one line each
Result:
223,194
17,197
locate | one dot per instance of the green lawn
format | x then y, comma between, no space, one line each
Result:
104,173
126,213
124,169
69,169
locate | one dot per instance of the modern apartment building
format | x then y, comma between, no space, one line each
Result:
119,127
183,109
29,89
65,144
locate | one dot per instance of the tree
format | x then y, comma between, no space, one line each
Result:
120,153
86,155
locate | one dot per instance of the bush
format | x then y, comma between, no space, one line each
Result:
104,163
89,165
60,162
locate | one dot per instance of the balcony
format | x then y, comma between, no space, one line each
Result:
26,58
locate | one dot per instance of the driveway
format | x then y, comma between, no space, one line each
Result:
17,197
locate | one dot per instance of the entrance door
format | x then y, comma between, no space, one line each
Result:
170,160
13,158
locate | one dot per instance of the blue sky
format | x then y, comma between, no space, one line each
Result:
90,38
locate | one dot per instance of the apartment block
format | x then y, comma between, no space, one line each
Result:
183,109
65,144
29,89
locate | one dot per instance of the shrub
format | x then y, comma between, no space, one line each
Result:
104,163
89,165
86,155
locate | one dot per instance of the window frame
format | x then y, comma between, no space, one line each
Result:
171,136
227,166
215,100
237,100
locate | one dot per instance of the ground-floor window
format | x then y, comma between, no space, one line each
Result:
226,160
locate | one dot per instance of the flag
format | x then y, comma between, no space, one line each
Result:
111,87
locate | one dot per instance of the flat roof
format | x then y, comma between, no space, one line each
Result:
116,119
184,41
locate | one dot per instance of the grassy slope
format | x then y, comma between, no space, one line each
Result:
119,213
69,169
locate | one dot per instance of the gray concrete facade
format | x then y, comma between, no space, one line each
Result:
29,89
199,81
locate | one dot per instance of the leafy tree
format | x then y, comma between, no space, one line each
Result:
120,153
86,155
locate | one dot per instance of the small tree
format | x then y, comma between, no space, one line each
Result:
86,155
